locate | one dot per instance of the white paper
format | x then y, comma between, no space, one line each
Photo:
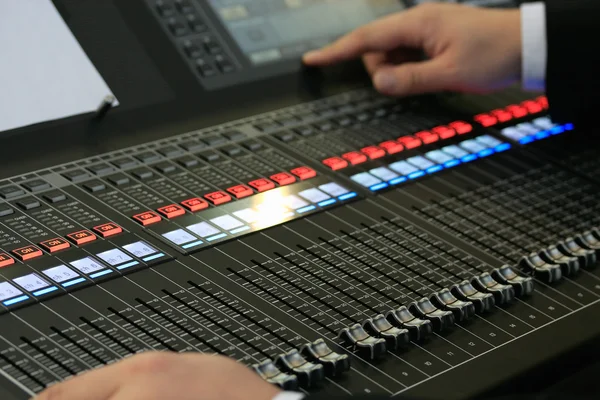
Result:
44,72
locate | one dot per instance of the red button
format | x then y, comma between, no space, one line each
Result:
283,178
262,184
354,157
195,204
109,229
304,173
147,218
485,120
218,197
27,253
517,111
6,260
391,146
502,115
335,163
54,245
373,152
409,142
461,127
542,101
444,132
532,106
240,191
427,137
81,237
171,211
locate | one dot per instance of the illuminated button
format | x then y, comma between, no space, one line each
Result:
354,157
461,127
262,184
179,237
109,229
240,191
488,141
147,218
544,123
54,245
335,163
227,222
283,178
403,168
542,101
427,137
88,265
502,115
517,111
444,132
420,162
438,156
313,195
60,273
409,142
31,283
81,237
195,204
391,146
383,173
532,106
373,152
454,151
27,253
294,202
304,173
218,197
203,229
171,211
8,291
365,179
248,215
513,133
333,189
6,260
472,146
486,120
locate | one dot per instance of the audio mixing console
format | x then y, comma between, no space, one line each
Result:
354,244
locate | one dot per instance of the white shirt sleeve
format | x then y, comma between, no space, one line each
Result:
535,45
289,396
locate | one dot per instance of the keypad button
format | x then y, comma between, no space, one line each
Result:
108,229
164,8
170,151
283,178
392,147
124,162
335,163
205,69
195,24
240,191
286,136
54,245
304,172
444,132
184,6
192,145
217,198
354,157
81,237
27,253
252,145
427,137
6,260
171,211
262,185
76,175
409,142
101,169
5,210
192,49
305,130
165,167
94,186
234,135
210,45
147,218
28,203
177,27
119,180
36,185
209,156
223,63
55,196
148,157
373,152
214,140
195,204
142,174
187,162
267,126
10,192
231,150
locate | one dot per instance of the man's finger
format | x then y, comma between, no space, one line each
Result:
397,30
374,61
99,384
413,78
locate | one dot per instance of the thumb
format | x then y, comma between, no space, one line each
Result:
412,78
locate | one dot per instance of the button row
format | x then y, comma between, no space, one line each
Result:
539,128
396,146
513,111
431,162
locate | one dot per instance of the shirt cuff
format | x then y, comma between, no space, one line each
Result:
535,45
289,396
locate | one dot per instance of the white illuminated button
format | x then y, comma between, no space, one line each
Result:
438,156
140,249
8,291
203,229
114,257
294,202
87,265
60,273
227,222
403,168
544,123
333,189
365,179
247,215
472,146
179,236
528,128
383,173
31,282
488,141
313,195
513,133
454,151
420,162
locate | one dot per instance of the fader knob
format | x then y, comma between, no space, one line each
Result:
396,338
568,264
522,285
418,329
586,257
588,240
503,294
368,346
309,374
462,310
482,301
548,273
335,364
270,373
440,319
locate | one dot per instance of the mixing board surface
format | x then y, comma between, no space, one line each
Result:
355,244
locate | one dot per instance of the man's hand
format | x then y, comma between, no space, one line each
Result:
163,376
468,49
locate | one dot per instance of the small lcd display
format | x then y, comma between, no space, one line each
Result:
60,274
31,282
87,265
140,249
8,291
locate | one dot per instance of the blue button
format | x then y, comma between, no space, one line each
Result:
73,282
434,169
569,126
557,129
378,186
485,153
193,244
240,229
347,196
502,147
403,168
451,163
101,273
216,237
305,209
153,257
15,300
326,203
128,265
365,179
416,175
398,180
45,291
469,158
526,139
542,135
